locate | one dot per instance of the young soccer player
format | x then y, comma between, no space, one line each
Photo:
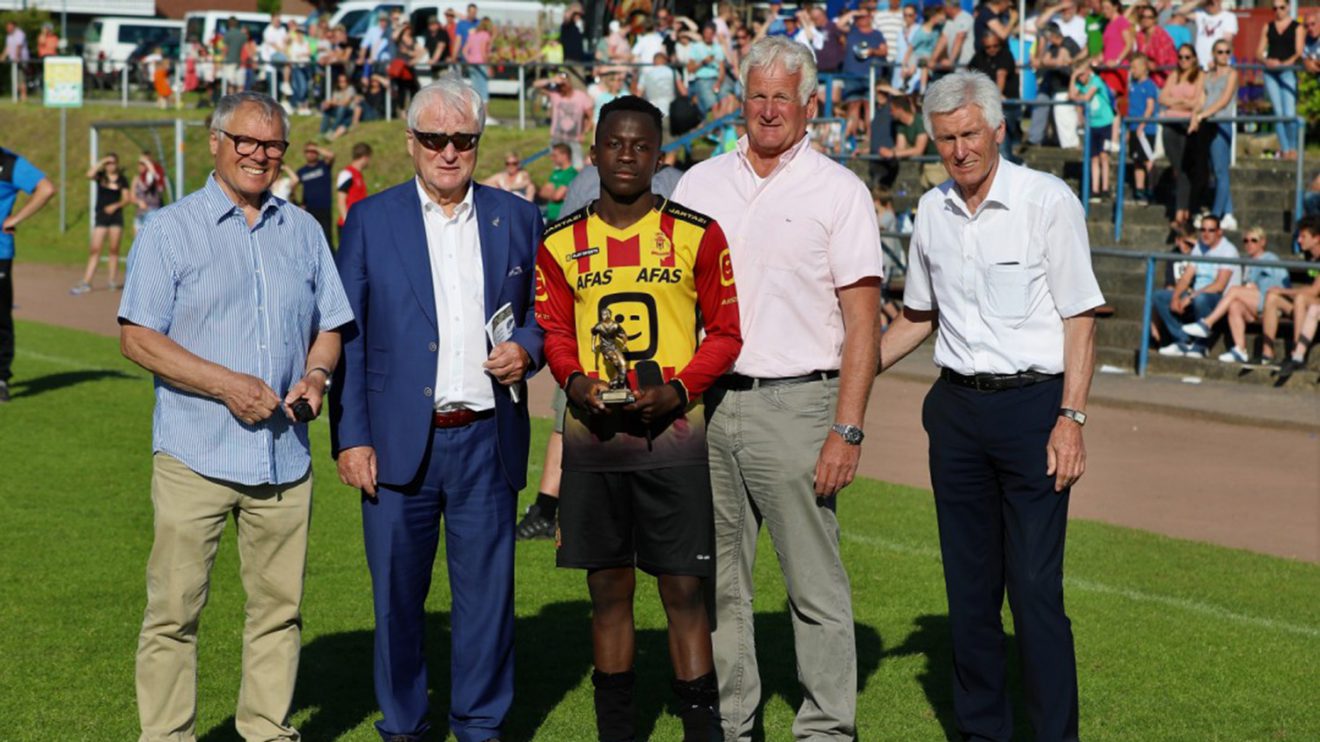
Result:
635,491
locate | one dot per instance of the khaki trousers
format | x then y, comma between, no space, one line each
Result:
190,515
763,449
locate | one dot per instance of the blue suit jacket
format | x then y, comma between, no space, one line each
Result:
382,395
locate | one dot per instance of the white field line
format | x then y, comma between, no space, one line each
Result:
57,360
1191,606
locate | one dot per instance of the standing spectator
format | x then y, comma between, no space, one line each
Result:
476,52
572,34
1311,201
234,41
617,50
611,85
1183,95
648,42
866,50
1016,350
160,80
995,61
1069,21
1118,43
1155,42
148,191
1053,59
314,177
234,306
341,110
905,78
660,84
1281,46
1180,28
428,424
48,42
299,54
1295,299
351,184
403,68
561,175
571,113
275,50
1095,29
1197,291
1311,44
451,30
1213,22
16,175
16,53
890,22
1221,85
921,49
956,46
997,18
1087,89
1143,102
467,25
436,43
249,59
375,49
785,431
1243,304
706,69
513,178
827,40
113,193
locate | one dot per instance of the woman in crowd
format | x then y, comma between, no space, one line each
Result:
1243,304
513,178
1153,41
1119,43
1183,95
1221,84
112,194
921,45
476,52
148,190
300,57
402,69
1281,47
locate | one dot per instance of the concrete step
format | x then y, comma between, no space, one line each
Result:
1209,368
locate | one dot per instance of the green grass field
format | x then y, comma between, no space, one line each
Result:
1175,640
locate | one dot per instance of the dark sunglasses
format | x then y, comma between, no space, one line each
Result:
1222,51
438,140
1186,57
246,146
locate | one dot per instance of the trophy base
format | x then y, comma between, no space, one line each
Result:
617,397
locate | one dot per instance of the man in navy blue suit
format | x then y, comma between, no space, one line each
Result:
429,414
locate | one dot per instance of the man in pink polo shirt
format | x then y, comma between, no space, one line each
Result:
785,428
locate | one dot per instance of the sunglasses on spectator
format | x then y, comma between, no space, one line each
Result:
1186,57
1209,230
245,146
1221,51
436,141
511,163
1254,239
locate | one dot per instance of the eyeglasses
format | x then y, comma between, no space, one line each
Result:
436,141
246,146
1186,57
1280,7
511,163
1254,239
1221,51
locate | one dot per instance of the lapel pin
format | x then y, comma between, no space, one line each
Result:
495,222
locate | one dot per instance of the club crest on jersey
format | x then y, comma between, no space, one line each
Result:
664,247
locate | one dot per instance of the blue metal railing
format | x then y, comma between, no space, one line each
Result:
1122,155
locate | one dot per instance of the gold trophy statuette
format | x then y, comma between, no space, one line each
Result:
610,341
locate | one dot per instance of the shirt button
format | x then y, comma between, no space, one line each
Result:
432,347
426,392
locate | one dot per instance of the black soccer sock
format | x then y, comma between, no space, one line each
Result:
615,712
547,504
698,707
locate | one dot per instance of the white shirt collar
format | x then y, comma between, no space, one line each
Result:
463,211
1001,189
785,159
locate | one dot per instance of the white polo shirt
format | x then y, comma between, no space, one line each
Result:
1003,278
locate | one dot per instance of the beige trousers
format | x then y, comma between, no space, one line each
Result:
763,449
190,515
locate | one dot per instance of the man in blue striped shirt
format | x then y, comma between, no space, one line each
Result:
233,302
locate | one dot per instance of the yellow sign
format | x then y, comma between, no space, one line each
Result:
63,82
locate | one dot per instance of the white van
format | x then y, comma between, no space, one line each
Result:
356,16
109,40
504,14
204,25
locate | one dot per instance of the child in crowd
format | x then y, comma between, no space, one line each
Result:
887,218
1142,103
1086,88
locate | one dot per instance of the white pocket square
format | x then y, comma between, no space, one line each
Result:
515,271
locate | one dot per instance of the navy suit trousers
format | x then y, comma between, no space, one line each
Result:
1002,526
462,484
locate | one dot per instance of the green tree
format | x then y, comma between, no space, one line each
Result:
269,6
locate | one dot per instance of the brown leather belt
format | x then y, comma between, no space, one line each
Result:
458,418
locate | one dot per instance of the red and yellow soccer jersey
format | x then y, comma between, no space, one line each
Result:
665,279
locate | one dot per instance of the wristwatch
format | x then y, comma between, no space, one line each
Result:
851,434
1076,416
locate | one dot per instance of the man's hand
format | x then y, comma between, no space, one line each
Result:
249,399
357,468
1176,304
836,466
508,363
584,392
654,402
1065,454
310,387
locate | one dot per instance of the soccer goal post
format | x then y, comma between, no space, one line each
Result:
132,130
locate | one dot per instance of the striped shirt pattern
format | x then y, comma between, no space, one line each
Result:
248,299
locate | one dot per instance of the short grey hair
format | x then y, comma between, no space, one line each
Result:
270,110
959,90
452,93
794,57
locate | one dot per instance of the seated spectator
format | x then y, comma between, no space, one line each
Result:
1184,241
1243,304
513,178
905,135
1306,327
341,111
1311,201
553,192
1295,300
1311,44
1143,102
1198,291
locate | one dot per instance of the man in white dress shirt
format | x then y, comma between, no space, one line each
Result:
1000,260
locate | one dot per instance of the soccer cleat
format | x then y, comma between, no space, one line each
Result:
534,525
